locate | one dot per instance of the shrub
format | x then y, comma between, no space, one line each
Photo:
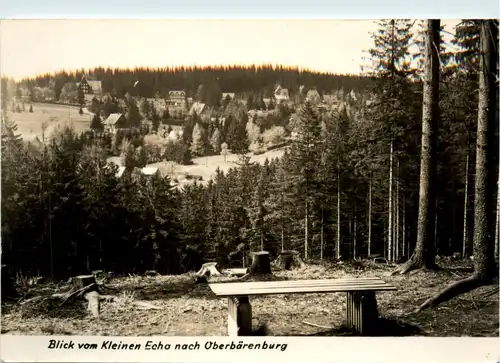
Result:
274,136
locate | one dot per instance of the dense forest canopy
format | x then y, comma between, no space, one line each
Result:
236,79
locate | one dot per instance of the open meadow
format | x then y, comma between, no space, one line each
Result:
30,124
177,306
205,167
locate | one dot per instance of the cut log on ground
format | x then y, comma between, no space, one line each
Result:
207,269
235,271
288,260
261,263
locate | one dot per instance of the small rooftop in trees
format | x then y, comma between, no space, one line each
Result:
113,119
197,108
226,94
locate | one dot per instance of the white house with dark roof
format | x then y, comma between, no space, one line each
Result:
114,122
176,98
90,87
281,94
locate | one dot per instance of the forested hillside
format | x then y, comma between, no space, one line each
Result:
259,80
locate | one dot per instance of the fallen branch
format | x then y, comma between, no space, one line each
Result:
244,276
317,325
78,292
455,274
492,292
33,299
472,299
146,306
453,290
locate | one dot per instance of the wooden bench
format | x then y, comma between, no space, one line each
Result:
362,311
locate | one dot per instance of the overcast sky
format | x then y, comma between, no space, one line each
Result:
31,47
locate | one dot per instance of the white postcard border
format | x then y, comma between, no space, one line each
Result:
17,348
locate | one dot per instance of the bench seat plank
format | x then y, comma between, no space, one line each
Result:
300,286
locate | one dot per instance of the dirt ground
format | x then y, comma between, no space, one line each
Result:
176,306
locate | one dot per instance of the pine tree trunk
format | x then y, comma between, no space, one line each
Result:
282,237
436,249
403,252
370,218
349,238
423,255
354,246
466,207
338,214
486,168
396,253
322,236
486,148
497,224
385,241
306,225
390,227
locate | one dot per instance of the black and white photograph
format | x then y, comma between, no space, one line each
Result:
267,177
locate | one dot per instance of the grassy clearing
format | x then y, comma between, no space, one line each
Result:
205,167
30,123
188,309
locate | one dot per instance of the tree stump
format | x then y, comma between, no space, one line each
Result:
288,260
82,281
260,263
86,285
207,269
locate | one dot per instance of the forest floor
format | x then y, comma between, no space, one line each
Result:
176,306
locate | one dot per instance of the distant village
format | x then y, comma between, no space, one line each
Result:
178,105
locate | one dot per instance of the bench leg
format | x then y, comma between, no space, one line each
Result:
362,312
239,319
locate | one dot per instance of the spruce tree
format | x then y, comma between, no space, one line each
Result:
133,116
96,123
305,152
215,141
198,146
236,137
